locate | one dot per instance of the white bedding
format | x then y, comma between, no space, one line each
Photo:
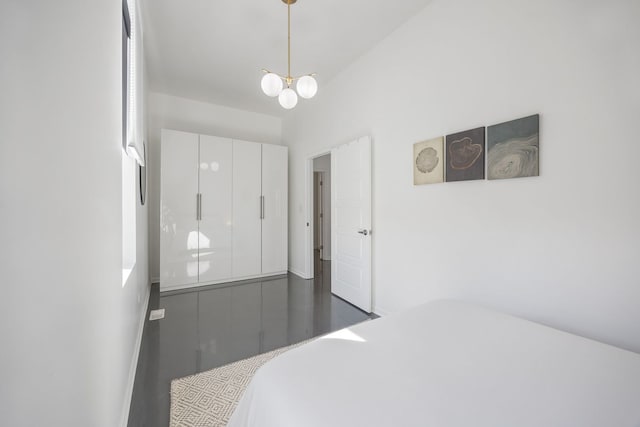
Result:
446,364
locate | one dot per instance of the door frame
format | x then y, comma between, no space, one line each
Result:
310,220
319,216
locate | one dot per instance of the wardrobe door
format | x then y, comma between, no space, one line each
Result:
178,210
214,236
275,207
246,209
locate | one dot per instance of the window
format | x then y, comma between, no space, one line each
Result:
128,164
126,37
132,138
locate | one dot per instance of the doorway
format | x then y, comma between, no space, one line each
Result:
346,224
322,213
350,243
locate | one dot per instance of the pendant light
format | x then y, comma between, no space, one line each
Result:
273,84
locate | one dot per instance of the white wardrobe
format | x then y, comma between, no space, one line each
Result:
223,210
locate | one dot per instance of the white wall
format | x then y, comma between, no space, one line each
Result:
187,115
561,248
67,325
323,164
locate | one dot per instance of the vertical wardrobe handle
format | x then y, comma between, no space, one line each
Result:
198,207
261,207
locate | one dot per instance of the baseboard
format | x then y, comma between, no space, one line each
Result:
134,361
235,280
298,273
381,312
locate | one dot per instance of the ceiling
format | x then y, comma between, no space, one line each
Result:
214,50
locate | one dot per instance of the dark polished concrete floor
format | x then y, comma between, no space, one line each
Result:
212,326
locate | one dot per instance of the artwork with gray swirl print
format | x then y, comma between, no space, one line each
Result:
514,148
428,161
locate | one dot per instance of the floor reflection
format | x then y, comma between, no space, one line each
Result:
213,326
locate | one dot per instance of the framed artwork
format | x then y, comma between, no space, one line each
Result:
465,155
514,148
428,161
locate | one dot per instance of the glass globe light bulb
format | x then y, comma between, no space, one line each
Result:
307,87
271,84
288,98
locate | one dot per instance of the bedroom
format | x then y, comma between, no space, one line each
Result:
560,249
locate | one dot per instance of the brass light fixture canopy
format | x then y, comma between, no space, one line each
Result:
289,1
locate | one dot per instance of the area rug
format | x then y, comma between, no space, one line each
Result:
208,399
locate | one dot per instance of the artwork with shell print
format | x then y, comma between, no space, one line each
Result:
514,148
465,155
428,161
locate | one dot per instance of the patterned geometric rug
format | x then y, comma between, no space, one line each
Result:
209,398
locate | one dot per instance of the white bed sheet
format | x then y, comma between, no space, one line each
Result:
446,364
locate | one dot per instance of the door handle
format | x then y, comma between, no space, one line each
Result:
199,207
365,232
261,207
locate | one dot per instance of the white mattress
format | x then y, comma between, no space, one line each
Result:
446,364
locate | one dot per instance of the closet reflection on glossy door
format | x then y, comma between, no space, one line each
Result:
215,208
275,208
247,197
178,209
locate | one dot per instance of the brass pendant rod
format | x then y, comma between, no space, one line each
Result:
289,42
288,78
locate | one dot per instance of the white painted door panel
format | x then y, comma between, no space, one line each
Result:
247,227
351,222
178,221
275,206
214,237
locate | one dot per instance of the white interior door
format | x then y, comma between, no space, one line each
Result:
247,193
178,209
275,209
214,235
351,222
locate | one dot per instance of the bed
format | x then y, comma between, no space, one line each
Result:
446,364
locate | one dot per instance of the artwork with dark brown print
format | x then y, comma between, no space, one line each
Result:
465,155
